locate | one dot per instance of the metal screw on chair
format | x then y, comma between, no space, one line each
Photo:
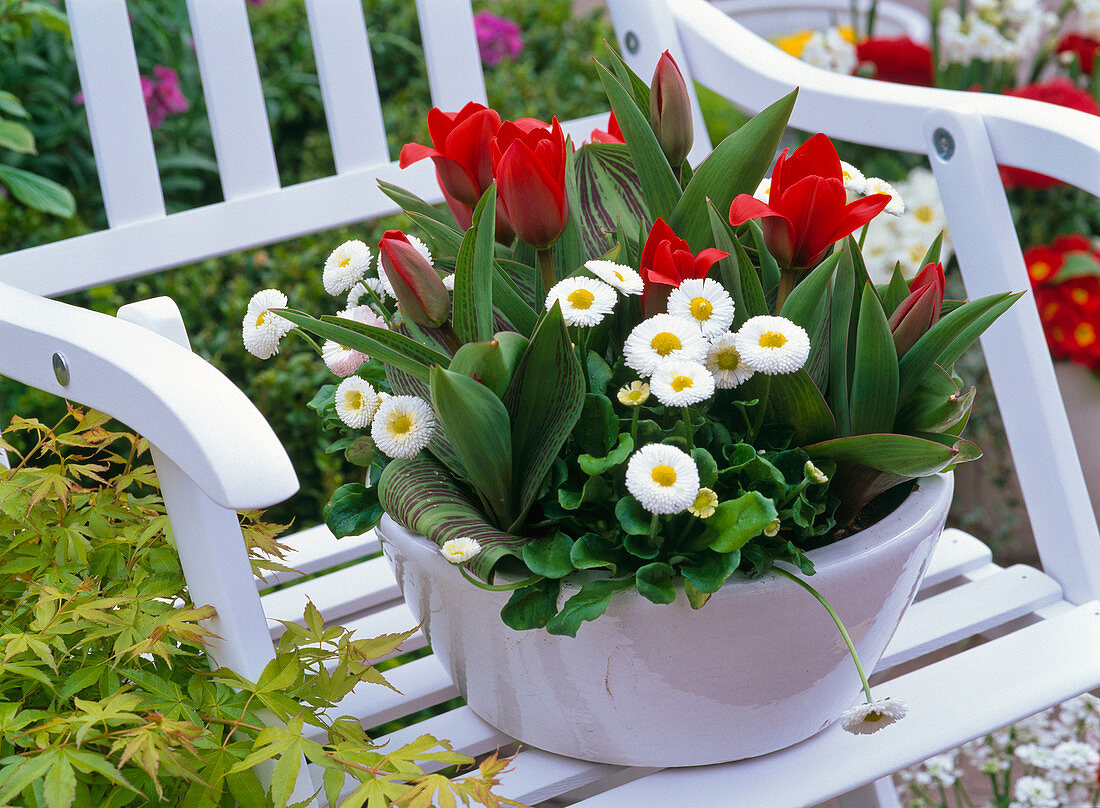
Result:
61,369
631,41
944,143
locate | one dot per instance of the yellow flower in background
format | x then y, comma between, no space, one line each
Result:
796,42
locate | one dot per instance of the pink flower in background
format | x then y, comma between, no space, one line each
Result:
497,38
162,95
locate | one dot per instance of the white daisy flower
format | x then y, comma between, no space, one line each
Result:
261,330
449,282
584,301
863,719
680,383
403,426
662,478
772,345
621,277
460,550
346,266
634,394
362,314
356,402
875,185
706,502
1034,792
703,301
421,248
662,337
764,190
381,285
814,474
725,363
853,178
340,360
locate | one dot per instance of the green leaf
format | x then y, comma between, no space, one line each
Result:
360,452
509,301
59,787
246,789
794,399
751,288
769,267
592,551
937,405
588,603
841,341
492,363
421,494
901,455
711,570
11,105
654,582
50,18
17,137
932,254
444,238
1078,265
809,305
411,203
609,195
736,166
38,192
896,291
598,426
544,402
285,774
946,340
474,269
874,398
479,431
616,457
708,468
658,183
633,518
736,521
532,606
599,373
628,78
729,268
549,557
352,509
19,773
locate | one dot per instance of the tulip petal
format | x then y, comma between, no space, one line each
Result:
414,152
816,157
745,207
468,145
534,204
815,207
858,213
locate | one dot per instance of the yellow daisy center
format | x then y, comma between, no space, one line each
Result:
665,343
354,400
663,475
772,339
703,500
847,175
924,214
681,383
260,319
634,395
401,425
728,359
580,298
344,263
701,308
619,275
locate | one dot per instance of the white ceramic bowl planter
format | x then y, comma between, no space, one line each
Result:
760,667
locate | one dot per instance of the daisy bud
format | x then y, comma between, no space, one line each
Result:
670,110
814,474
416,285
634,394
460,550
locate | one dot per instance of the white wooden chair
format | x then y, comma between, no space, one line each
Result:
214,453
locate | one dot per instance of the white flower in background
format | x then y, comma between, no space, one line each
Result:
863,719
814,474
1074,761
939,770
621,277
705,504
680,383
854,180
1033,792
725,362
634,394
876,185
830,50
362,314
340,360
772,345
460,550
346,266
1088,18
905,239
703,301
403,426
584,301
764,190
662,478
449,282
357,402
662,337
261,330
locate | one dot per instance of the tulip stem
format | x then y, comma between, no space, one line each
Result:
453,341
547,272
788,279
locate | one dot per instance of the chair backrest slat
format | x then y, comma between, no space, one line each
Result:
234,98
451,54
119,127
348,87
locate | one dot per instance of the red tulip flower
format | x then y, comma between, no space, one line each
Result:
1085,48
808,209
920,310
667,261
417,286
460,150
528,160
613,134
670,110
897,59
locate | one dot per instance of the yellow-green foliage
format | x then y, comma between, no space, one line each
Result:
106,695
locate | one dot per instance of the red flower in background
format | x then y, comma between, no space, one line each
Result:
897,59
1068,302
1064,93
613,134
528,161
1085,48
460,150
808,209
667,261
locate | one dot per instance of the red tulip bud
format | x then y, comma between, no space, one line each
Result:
528,160
417,286
670,110
920,310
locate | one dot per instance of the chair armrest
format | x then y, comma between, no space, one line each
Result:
180,402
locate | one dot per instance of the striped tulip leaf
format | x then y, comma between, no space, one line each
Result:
411,203
905,456
474,270
609,196
422,495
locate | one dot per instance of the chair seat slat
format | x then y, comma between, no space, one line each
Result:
315,549
337,595
957,553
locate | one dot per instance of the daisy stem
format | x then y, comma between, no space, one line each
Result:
534,579
839,625
547,272
586,334
634,424
762,406
309,340
653,522
688,431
